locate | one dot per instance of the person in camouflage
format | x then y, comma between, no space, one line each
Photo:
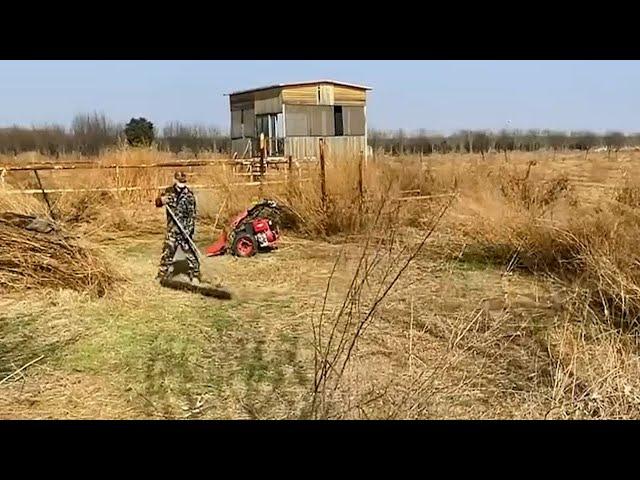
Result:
182,202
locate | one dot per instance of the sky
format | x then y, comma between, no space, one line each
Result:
438,96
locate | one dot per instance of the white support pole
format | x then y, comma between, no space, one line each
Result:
366,138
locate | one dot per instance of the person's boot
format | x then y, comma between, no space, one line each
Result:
195,279
163,273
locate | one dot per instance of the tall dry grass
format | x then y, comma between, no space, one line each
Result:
529,212
573,224
543,224
576,229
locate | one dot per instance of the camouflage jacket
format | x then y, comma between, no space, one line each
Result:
183,205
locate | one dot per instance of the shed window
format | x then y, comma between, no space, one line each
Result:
338,121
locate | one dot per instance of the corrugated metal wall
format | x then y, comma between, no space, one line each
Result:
335,147
322,123
243,123
307,120
240,145
249,121
354,121
236,124
297,120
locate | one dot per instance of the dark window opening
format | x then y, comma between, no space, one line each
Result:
338,122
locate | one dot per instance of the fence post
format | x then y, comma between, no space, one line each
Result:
323,178
3,172
258,175
118,184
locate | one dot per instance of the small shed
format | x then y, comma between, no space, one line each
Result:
294,116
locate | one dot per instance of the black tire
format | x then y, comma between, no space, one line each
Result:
244,245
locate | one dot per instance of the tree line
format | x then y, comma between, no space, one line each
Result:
468,141
89,134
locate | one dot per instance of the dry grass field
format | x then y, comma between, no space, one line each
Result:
450,286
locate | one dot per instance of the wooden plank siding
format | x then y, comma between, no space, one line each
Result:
306,95
349,96
268,101
326,94
243,101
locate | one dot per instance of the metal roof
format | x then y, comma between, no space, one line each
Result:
294,84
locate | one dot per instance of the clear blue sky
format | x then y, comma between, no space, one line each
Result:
440,96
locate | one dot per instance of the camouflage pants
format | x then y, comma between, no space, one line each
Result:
172,241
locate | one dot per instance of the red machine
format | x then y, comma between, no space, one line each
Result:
252,231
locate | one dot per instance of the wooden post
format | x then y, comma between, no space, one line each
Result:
263,154
118,184
323,178
361,181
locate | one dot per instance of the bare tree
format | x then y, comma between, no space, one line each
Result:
177,137
557,141
614,141
634,139
505,142
93,132
586,141
532,140
481,143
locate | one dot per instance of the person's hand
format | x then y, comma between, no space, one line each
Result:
159,202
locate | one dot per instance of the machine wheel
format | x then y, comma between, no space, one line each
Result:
245,245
